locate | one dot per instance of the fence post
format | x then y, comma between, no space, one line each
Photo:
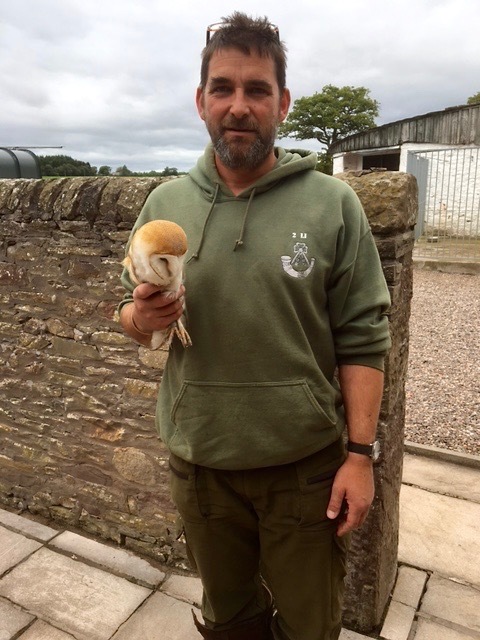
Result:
390,202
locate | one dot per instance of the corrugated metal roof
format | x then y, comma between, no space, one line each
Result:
19,163
452,126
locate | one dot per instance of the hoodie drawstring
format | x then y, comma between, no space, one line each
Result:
196,254
239,242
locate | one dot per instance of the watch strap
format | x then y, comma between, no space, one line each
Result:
364,449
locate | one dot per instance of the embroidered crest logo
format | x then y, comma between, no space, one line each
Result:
299,266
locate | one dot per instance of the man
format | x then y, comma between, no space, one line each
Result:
283,287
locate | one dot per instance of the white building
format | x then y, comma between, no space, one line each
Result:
442,149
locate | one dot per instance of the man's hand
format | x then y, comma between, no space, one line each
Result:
151,310
154,310
353,490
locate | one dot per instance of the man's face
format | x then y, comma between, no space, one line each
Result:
242,108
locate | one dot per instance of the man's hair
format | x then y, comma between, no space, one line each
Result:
246,34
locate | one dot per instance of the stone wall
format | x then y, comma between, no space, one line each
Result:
77,397
76,400
390,201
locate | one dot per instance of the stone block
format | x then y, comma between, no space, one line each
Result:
346,634
398,622
389,199
42,631
135,465
409,586
74,350
439,533
184,588
15,548
141,388
12,275
12,620
84,601
429,630
452,601
118,561
173,617
26,526
439,476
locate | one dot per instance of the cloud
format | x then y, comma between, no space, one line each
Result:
114,81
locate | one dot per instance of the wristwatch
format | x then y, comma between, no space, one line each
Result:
370,450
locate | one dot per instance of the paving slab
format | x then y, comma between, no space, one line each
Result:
184,588
14,548
429,630
346,634
84,601
12,620
160,618
442,477
26,526
452,601
439,533
398,621
409,586
42,631
117,560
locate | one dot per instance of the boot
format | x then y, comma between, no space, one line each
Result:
257,628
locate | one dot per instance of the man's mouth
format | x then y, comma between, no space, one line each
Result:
239,128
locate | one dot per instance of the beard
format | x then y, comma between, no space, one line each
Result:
236,153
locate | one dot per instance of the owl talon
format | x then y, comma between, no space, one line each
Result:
182,334
176,329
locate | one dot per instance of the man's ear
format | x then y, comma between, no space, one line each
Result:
284,104
199,102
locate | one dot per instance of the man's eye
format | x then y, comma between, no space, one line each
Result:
219,89
259,91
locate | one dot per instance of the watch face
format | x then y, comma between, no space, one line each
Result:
375,450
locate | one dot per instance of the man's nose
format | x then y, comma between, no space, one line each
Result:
239,107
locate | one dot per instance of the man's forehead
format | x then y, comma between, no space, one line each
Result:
228,62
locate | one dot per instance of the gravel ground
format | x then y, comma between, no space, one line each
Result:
443,383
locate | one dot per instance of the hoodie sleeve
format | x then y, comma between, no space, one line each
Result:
358,295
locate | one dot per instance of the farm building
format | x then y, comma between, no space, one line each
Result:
18,163
442,149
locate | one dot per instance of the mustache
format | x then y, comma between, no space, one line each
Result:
239,124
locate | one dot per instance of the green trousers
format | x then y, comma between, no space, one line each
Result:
270,525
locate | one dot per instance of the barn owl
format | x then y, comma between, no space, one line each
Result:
156,255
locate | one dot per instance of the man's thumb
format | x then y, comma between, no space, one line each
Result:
335,504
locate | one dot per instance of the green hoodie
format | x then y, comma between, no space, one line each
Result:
283,282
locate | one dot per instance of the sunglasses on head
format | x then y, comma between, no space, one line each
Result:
217,26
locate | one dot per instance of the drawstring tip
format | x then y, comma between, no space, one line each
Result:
238,243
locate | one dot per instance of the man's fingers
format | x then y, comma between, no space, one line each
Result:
335,504
354,518
146,290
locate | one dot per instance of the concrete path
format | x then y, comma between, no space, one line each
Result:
57,585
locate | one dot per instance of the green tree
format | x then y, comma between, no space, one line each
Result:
105,170
123,171
334,113
475,99
324,163
59,165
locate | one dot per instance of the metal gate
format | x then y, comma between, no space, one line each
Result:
448,224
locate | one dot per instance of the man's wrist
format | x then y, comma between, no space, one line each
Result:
136,327
370,450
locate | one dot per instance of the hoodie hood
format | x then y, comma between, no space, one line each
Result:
207,178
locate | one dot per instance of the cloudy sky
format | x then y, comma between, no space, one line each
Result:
113,82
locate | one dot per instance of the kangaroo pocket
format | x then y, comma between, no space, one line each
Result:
249,425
